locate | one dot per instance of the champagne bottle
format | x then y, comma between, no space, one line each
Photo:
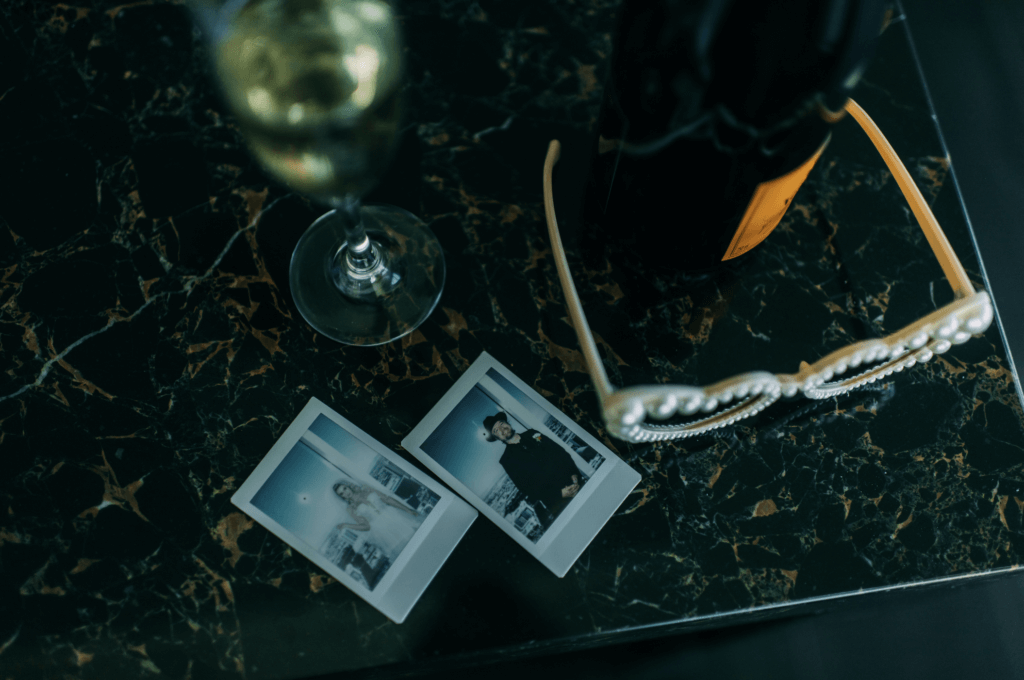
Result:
714,113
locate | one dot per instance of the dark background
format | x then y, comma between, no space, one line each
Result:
972,56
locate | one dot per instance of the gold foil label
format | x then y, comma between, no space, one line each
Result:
770,202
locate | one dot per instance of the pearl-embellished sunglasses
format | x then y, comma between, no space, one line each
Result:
628,412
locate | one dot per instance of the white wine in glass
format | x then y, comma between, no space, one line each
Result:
316,88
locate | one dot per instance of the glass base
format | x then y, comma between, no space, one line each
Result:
379,303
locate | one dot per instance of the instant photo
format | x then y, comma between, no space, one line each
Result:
531,470
355,509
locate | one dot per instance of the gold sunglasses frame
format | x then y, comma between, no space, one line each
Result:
626,410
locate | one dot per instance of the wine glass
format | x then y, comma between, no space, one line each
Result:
316,88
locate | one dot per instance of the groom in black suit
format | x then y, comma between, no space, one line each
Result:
538,466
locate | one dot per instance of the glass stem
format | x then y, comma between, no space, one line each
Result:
358,254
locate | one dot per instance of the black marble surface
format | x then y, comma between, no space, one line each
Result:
151,355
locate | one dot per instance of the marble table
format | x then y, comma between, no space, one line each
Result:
151,355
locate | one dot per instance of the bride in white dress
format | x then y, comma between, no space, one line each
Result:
389,521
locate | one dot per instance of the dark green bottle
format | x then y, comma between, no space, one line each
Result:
714,113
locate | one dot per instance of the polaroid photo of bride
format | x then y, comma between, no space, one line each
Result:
524,464
355,509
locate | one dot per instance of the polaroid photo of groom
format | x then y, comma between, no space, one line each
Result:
524,464
355,509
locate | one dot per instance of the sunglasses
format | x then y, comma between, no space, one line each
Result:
632,413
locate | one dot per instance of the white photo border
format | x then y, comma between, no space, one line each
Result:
418,562
575,527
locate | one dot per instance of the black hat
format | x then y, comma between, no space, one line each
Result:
489,422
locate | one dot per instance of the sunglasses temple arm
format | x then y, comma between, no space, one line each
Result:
951,266
572,299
